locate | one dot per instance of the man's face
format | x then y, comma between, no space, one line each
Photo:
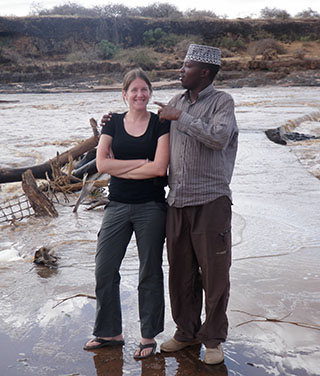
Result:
191,75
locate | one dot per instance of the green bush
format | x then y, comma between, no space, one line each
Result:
148,38
153,37
107,49
159,38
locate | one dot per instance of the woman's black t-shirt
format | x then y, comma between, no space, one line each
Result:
125,146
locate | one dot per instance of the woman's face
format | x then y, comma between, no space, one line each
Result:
137,95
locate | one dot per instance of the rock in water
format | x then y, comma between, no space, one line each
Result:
275,136
44,256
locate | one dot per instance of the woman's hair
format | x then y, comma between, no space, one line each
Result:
132,75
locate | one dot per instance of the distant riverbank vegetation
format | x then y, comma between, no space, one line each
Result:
161,40
155,10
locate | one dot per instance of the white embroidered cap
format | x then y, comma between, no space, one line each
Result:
203,54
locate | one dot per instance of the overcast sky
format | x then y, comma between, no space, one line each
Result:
229,8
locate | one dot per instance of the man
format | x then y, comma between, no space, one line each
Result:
203,146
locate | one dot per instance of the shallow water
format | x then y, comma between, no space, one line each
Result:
276,239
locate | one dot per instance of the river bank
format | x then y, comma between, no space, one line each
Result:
231,79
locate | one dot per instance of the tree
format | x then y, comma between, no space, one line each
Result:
200,13
67,9
113,10
157,10
308,13
274,13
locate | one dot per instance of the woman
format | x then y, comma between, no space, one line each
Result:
133,149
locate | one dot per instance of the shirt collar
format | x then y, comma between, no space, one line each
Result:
205,92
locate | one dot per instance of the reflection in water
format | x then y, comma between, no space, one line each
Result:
110,362
45,272
153,366
188,362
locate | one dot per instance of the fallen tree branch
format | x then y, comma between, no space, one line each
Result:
67,188
86,188
74,296
101,202
281,320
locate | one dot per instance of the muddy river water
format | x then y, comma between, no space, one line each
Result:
275,273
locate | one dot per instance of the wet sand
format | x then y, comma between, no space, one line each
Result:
275,272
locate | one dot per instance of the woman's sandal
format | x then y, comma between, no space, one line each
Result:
152,345
103,343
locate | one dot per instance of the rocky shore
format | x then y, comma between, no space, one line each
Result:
234,79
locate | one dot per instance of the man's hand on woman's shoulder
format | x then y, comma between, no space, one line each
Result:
105,119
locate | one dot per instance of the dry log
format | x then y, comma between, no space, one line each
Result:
40,203
8,175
